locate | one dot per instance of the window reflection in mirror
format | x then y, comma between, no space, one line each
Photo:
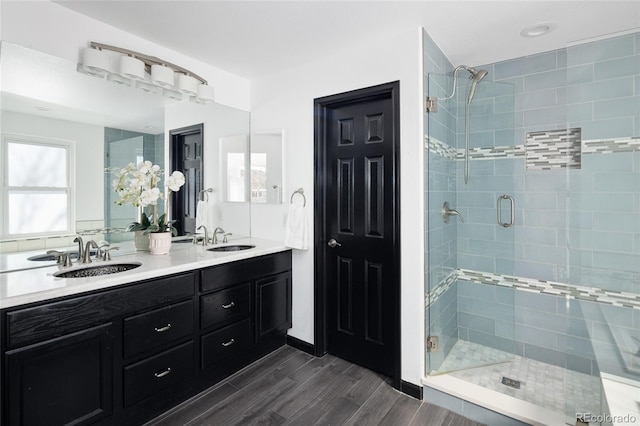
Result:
266,167
233,156
37,193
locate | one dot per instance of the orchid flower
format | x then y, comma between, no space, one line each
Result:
175,181
137,184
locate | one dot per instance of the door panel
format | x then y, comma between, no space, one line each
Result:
360,211
186,156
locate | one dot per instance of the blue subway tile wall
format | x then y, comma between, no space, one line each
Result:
570,224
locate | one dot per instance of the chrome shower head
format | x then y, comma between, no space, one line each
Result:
476,77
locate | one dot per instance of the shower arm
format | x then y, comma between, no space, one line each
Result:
457,69
455,74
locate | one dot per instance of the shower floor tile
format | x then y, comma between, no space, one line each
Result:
554,388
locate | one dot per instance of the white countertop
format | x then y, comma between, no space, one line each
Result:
39,284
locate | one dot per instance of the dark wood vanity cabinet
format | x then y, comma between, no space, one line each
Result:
124,355
61,381
232,315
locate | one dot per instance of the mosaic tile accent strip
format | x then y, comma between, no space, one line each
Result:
554,149
442,288
609,297
495,152
594,146
609,146
440,148
491,153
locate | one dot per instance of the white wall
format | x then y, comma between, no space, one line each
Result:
285,100
50,28
89,166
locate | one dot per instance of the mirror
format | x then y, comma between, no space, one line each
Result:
43,96
262,156
266,167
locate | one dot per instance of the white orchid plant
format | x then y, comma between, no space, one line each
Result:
138,185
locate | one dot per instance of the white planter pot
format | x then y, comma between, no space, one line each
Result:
160,242
141,241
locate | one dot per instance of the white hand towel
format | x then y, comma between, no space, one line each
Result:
295,233
202,210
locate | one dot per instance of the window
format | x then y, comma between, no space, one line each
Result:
258,177
37,195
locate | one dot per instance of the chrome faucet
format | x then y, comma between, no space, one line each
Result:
78,240
206,236
86,258
217,231
103,247
447,211
63,258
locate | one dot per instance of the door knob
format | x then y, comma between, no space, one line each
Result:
333,243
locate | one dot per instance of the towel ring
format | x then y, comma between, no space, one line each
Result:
301,192
206,195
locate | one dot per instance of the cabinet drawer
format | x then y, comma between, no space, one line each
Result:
225,305
156,373
244,270
49,320
226,342
156,328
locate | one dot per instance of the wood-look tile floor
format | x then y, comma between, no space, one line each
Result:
290,387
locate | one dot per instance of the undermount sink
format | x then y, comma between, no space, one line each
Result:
235,247
97,270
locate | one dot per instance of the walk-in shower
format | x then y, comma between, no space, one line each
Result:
530,311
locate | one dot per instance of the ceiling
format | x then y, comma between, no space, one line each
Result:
257,38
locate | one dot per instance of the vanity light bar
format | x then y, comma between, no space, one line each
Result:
145,72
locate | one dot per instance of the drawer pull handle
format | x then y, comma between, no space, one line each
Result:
162,329
229,305
162,373
229,343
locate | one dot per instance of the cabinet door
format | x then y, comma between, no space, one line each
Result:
273,304
67,380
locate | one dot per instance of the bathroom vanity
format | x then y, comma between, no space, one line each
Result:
123,348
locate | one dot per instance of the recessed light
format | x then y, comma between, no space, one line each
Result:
538,30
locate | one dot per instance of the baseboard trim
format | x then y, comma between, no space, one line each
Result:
301,345
411,389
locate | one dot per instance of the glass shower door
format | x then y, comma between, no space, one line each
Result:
471,246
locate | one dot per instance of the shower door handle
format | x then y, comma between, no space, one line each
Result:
499,209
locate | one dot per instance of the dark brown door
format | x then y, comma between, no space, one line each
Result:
186,156
357,142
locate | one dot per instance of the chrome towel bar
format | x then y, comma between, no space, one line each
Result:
301,192
205,192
